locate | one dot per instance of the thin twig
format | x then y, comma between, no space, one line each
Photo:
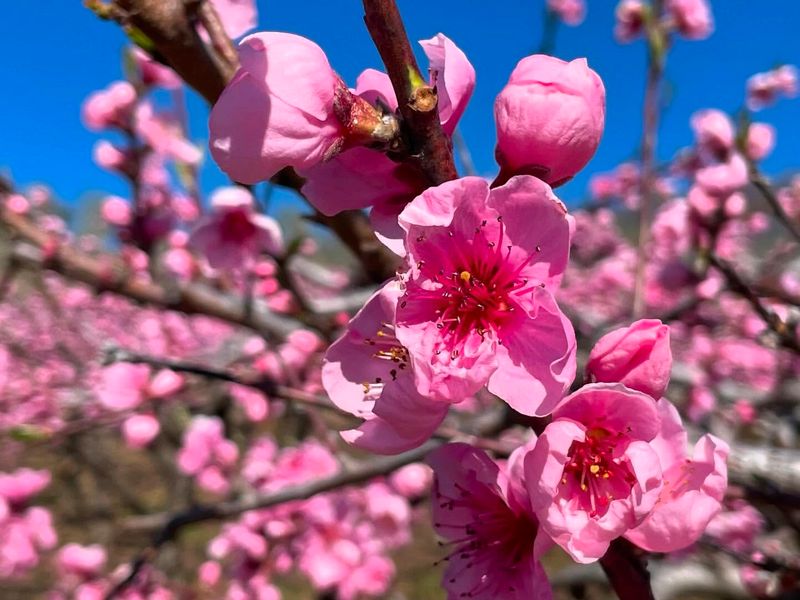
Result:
626,571
656,59
764,188
786,334
220,41
417,101
105,273
169,524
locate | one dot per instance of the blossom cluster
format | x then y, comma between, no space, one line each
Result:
193,357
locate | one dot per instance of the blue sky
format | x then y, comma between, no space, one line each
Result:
54,56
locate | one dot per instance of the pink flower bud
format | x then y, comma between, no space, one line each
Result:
140,430
237,16
572,12
692,18
116,211
87,561
724,178
764,89
278,111
109,107
760,140
18,204
713,131
630,20
549,118
165,383
638,356
108,156
152,72
209,573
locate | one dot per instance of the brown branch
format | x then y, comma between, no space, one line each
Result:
785,332
170,26
626,571
260,382
417,101
758,181
216,32
43,251
168,525
354,230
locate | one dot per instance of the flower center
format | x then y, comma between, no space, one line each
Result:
594,476
386,348
493,544
236,226
476,295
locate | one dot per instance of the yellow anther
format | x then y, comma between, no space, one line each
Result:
583,487
594,469
465,275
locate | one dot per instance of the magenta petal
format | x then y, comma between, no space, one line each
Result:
293,68
537,222
403,420
373,85
689,500
613,407
454,77
536,361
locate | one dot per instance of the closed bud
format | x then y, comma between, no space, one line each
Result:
638,357
550,118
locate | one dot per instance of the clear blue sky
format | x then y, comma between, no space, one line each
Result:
56,52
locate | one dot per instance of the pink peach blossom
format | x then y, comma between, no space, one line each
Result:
22,485
692,18
24,530
125,386
361,177
277,111
593,474
207,455
693,487
412,480
630,20
112,107
163,134
713,131
140,430
110,157
572,12
116,211
253,403
549,118
86,561
452,75
483,265
237,16
367,373
638,356
152,72
760,141
724,178
484,513
737,526
234,234
372,577
763,89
